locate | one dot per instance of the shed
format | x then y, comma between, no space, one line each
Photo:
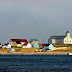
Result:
45,46
51,46
36,45
11,50
26,45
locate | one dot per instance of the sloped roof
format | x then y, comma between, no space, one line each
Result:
25,43
33,40
21,40
58,37
18,42
45,44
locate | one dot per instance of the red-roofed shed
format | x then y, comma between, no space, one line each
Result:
43,44
22,41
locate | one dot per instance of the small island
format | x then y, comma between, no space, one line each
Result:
57,45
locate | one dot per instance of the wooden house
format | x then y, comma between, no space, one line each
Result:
34,41
22,41
17,44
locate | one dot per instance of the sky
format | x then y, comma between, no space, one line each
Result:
26,19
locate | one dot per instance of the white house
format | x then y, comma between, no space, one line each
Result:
6,46
26,45
9,46
64,39
0,45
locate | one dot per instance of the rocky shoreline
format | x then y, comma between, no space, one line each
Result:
35,53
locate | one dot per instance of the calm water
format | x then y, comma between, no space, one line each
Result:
35,63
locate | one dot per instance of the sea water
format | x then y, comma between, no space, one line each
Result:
35,63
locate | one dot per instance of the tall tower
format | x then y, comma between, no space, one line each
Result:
68,34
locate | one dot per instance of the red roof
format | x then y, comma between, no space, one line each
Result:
21,40
25,43
43,44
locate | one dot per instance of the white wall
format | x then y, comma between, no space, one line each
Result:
22,43
27,46
68,39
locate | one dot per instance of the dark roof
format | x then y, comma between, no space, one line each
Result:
33,40
58,37
67,32
6,44
18,42
47,44
21,40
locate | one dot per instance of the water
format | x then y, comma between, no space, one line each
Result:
35,63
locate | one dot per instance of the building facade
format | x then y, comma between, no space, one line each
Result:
64,39
67,39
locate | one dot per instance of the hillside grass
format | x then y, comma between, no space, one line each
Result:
62,45
62,49
19,49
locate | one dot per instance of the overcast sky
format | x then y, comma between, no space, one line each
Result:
26,19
